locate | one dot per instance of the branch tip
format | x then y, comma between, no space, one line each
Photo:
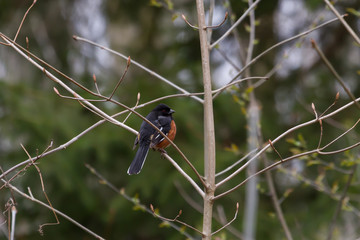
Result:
56,91
337,96
313,43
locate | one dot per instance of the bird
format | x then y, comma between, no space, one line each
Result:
148,137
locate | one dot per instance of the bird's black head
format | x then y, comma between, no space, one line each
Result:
163,110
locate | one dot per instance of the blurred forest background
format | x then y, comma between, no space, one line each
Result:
154,34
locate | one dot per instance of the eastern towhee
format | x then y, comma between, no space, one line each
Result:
149,137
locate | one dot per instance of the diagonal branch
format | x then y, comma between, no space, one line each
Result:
317,150
277,45
283,135
174,220
131,199
100,112
231,221
235,24
77,38
340,17
30,197
333,71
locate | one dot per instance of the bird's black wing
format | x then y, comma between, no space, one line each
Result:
164,125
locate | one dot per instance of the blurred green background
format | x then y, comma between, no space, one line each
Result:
153,33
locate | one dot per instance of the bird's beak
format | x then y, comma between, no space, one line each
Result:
171,111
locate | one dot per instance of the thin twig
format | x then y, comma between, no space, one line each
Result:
136,104
333,71
43,189
70,90
77,38
210,19
231,221
104,115
135,201
341,202
220,24
174,220
319,151
186,176
188,23
283,135
236,163
333,104
341,135
100,112
320,122
340,17
195,205
51,208
95,83
277,45
272,146
157,129
122,77
13,220
23,19
235,24
276,203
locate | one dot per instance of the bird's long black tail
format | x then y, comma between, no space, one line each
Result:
139,159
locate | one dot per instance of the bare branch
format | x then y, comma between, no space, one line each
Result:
276,203
235,24
136,104
122,78
232,220
283,135
341,202
174,220
340,17
13,220
67,88
23,19
333,104
319,151
95,83
77,38
122,192
220,24
236,163
188,23
272,146
43,188
187,177
51,208
277,45
333,71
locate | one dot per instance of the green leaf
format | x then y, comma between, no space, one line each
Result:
353,11
164,224
174,17
169,4
155,3
335,187
288,192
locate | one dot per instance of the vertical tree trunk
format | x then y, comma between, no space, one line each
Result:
209,132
